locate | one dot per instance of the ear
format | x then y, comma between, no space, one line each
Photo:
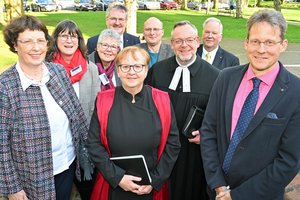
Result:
284,45
245,44
16,48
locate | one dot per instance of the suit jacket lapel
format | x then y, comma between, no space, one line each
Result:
125,40
218,58
162,52
233,86
275,94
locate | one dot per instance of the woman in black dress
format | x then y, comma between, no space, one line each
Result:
129,120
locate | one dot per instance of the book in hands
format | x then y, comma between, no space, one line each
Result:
134,165
193,121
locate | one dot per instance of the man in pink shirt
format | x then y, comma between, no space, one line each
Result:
265,157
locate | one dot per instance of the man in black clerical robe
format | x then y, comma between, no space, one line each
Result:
188,79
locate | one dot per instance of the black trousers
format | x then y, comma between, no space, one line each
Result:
64,182
85,188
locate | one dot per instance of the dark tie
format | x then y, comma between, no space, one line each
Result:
242,124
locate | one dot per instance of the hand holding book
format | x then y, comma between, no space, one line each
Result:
193,121
134,165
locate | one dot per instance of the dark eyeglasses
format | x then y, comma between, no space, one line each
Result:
126,68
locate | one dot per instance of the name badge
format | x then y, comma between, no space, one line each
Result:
103,78
76,70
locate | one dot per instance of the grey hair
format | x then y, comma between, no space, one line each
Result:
109,33
117,6
272,17
182,23
213,19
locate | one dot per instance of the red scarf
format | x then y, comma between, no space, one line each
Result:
104,104
77,60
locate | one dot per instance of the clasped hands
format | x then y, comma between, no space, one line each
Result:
127,183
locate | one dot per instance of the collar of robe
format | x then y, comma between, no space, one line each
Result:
184,70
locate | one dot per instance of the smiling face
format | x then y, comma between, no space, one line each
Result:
67,43
132,81
263,58
31,48
211,35
107,50
185,43
153,31
116,20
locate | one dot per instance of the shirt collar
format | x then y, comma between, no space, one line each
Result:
212,53
267,78
26,82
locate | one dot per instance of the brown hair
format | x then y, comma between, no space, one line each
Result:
72,28
19,25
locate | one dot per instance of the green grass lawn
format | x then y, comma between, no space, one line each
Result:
91,23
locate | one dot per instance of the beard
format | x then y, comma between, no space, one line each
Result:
185,60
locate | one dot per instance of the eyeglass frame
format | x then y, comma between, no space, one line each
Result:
112,47
180,41
65,37
131,67
31,43
115,19
258,43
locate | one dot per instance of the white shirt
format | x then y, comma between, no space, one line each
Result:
212,54
63,150
121,42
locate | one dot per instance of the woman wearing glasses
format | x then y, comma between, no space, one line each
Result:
132,119
108,46
69,50
41,124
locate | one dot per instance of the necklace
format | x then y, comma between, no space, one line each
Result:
37,78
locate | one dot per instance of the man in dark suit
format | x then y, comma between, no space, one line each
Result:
266,157
116,18
210,50
156,48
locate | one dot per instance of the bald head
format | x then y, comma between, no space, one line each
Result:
153,20
153,31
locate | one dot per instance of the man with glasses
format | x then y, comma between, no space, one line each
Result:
116,19
250,132
188,79
153,33
210,50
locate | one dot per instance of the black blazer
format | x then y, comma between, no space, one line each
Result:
267,158
128,40
222,59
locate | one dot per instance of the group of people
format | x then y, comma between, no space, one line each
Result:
118,97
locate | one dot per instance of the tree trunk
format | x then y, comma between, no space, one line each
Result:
258,4
131,22
239,9
183,4
14,8
2,21
208,6
216,4
277,5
